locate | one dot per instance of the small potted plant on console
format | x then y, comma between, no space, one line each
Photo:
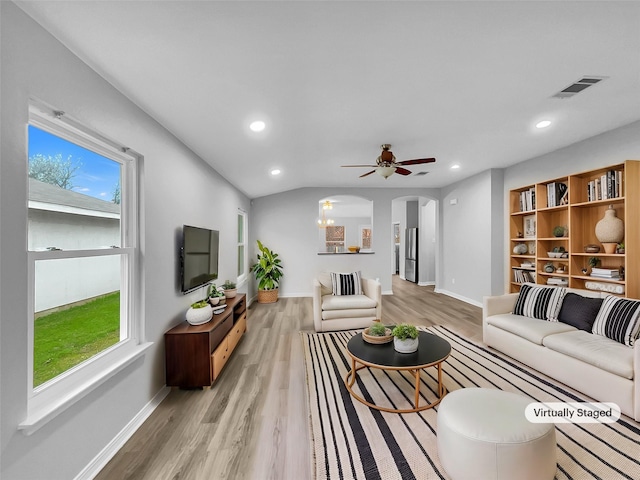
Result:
215,295
405,338
229,288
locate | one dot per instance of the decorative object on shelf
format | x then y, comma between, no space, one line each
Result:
560,269
594,262
268,272
605,287
529,226
591,248
531,248
230,290
199,313
585,271
520,249
610,230
354,249
620,248
557,252
549,267
405,338
377,333
559,231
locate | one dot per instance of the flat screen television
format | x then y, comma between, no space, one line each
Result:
199,257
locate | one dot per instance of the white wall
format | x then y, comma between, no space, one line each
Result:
428,243
178,188
285,222
470,237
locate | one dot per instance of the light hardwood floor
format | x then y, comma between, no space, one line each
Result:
252,424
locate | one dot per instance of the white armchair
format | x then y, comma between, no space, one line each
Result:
345,312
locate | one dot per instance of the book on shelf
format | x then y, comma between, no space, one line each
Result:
605,271
557,281
523,276
615,276
528,200
608,185
557,194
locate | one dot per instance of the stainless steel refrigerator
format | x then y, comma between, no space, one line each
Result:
411,255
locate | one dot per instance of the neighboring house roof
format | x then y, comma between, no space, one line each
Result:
44,196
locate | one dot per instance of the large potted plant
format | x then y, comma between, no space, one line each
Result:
268,271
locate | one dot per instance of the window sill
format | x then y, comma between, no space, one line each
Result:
38,418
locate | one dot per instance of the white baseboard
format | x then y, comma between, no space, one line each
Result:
425,284
459,297
108,452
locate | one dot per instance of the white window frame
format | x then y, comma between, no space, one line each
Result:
243,277
46,401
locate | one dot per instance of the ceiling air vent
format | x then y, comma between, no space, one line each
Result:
577,87
420,174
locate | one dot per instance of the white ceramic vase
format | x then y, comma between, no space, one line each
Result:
214,301
230,293
610,230
408,345
198,316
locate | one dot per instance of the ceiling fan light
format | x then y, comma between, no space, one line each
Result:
385,172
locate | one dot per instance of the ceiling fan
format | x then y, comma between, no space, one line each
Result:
386,164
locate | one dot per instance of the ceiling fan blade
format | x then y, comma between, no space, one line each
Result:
403,171
368,173
417,161
370,166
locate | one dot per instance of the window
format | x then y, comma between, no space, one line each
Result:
82,254
242,246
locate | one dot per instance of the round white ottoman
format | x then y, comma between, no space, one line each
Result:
484,434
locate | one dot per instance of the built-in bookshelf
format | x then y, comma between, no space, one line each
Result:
552,222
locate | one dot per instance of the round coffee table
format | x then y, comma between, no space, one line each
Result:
432,351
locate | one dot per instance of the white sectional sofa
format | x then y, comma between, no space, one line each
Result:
601,367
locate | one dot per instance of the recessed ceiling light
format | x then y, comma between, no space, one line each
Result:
455,166
257,126
543,124
275,172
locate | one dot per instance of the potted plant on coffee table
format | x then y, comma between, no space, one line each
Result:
268,272
377,333
405,338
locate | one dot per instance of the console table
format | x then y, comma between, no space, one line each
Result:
196,354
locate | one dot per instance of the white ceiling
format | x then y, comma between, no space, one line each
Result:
460,81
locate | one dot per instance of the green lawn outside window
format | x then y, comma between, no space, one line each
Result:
66,338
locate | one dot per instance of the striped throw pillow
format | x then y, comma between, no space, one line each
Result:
618,319
542,303
346,283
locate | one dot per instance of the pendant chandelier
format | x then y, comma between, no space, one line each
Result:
323,221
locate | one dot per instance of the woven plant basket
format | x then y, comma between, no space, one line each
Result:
268,296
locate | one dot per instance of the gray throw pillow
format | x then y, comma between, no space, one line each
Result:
579,311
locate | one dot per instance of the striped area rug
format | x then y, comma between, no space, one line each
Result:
352,441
